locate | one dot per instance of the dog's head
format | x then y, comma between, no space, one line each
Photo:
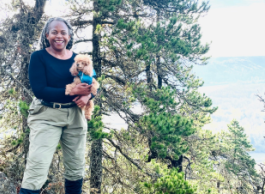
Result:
82,63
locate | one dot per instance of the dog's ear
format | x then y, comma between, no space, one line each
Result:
88,70
73,69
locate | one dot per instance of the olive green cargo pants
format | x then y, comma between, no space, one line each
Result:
48,126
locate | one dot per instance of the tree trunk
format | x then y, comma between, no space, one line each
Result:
96,148
158,61
27,30
149,76
159,78
96,167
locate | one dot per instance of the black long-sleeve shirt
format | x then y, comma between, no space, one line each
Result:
49,76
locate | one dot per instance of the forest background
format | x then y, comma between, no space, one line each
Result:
168,135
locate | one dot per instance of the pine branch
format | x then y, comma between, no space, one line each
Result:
187,167
111,64
86,53
12,149
128,158
83,40
116,78
117,106
33,17
118,180
39,9
107,22
19,83
81,22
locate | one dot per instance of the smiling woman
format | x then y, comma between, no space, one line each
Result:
58,36
54,116
57,27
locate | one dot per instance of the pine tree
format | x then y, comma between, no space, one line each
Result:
239,163
233,161
170,182
221,161
131,54
201,166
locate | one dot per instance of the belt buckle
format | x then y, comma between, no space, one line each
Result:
54,104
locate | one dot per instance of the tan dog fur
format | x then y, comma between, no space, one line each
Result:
84,64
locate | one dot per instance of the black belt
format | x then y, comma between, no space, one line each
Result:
58,105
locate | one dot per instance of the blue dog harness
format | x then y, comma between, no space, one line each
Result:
86,78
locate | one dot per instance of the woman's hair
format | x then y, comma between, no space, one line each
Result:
44,43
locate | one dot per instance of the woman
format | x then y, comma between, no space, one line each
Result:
53,116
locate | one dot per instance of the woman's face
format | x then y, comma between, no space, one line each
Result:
58,35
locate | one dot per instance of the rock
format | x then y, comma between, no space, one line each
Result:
6,185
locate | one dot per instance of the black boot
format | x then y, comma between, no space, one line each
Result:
27,191
73,187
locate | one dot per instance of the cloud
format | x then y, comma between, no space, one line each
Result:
235,30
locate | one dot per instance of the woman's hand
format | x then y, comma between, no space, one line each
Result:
81,89
81,101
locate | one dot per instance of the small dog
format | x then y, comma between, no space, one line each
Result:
82,69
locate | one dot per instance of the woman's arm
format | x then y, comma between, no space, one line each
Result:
81,89
38,82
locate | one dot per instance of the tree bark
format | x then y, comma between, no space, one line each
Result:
27,29
96,148
149,76
158,62
96,166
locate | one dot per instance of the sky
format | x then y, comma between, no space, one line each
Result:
234,28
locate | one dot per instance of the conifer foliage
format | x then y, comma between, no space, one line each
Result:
235,161
171,182
143,52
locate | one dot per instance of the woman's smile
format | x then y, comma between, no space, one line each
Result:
58,35
59,42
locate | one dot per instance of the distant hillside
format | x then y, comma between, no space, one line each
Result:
226,70
233,83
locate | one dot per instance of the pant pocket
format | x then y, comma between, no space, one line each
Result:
35,107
